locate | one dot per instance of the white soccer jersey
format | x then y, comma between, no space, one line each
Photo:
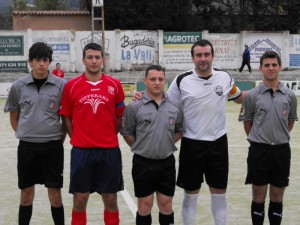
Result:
204,103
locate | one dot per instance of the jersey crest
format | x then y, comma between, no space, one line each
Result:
219,90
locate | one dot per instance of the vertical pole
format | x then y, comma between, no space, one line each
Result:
103,38
102,27
93,21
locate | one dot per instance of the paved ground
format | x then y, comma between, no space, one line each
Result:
238,194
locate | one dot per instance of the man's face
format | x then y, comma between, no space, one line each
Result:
40,67
155,82
93,61
270,69
203,59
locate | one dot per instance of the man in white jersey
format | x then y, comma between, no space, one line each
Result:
203,92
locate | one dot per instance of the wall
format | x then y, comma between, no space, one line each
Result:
135,50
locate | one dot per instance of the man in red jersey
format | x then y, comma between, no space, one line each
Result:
58,71
92,107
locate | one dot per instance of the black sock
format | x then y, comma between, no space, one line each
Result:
58,215
275,213
166,219
25,213
257,213
143,220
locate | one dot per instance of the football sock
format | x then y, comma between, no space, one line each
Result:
58,215
143,220
189,206
275,213
111,218
78,218
219,208
257,213
166,219
25,213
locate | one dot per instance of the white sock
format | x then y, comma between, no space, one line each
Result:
219,208
188,211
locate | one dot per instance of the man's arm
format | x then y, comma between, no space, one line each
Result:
178,136
67,123
240,99
247,126
236,94
14,119
291,124
129,139
118,123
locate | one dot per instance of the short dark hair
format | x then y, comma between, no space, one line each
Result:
155,67
40,50
203,43
93,46
271,55
57,64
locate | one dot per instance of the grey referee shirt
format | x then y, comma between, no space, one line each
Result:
39,120
153,126
270,113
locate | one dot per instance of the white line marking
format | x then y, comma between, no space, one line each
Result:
129,201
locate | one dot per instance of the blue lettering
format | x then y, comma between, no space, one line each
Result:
136,53
126,55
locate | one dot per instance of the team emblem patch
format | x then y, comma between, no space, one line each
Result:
51,104
171,121
111,90
219,90
285,112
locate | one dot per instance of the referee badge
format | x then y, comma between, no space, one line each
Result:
51,104
171,121
285,112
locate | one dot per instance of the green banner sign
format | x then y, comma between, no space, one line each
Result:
171,38
13,66
11,45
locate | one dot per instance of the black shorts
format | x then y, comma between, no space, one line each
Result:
152,175
40,163
96,169
268,164
203,158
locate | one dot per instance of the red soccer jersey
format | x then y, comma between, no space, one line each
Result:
59,73
93,108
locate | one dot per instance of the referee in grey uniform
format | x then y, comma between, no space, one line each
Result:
268,112
151,126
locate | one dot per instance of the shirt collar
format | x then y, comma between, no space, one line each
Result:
146,97
263,88
50,78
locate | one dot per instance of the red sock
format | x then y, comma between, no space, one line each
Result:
111,218
78,218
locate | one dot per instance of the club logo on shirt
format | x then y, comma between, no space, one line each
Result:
94,103
111,90
285,112
51,104
171,121
219,90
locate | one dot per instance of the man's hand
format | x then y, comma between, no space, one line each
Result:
137,96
